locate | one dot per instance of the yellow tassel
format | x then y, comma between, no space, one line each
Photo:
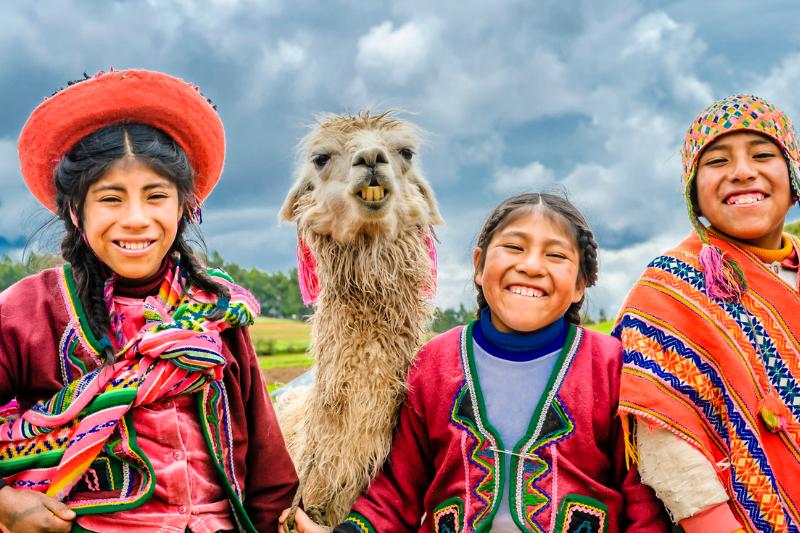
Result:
628,437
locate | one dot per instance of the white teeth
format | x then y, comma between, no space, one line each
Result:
524,291
134,245
746,199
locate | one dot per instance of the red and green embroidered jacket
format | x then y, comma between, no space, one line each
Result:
567,473
45,343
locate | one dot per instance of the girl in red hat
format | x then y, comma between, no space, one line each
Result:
138,402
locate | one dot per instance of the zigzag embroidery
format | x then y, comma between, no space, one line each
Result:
748,438
475,457
779,375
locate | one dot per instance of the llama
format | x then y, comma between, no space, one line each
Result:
364,214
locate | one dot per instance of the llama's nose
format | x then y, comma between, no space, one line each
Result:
371,158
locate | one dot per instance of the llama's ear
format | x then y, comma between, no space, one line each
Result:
289,209
430,199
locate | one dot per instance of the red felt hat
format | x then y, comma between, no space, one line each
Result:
133,96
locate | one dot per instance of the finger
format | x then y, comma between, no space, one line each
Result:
284,515
60,510
56,525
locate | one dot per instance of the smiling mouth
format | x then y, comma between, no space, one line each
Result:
530,292
745,198
373,194
134,246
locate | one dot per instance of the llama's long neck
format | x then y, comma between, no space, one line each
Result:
372,291
371,319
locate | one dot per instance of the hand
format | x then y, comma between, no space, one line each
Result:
27,511
302,523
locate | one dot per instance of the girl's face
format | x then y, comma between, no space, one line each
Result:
743,188
530,274
130,218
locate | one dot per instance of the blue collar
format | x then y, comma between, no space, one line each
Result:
519,346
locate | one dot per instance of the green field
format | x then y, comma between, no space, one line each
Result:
285,360
282,347
283,343
603,327
277,337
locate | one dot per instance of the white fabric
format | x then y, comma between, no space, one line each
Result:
681,476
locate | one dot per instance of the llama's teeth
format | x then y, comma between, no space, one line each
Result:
370,193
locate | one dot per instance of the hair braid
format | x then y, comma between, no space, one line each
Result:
589,266
90,276
194,270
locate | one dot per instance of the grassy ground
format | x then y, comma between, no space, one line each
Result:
273,336
281,346
603,327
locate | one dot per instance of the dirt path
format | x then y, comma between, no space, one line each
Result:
283,375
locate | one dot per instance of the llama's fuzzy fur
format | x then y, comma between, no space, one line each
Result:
372,315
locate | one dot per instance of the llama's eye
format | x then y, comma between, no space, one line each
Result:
407,153
320,160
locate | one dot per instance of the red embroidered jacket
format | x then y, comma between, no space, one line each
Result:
568,472
45,343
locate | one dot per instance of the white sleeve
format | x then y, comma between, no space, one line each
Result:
683,479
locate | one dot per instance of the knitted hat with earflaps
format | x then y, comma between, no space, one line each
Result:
724,278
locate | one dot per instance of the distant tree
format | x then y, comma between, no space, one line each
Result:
445,319
12,271
793,228
278,293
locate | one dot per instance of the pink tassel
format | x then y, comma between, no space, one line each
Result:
430,292
720,280
307,274
9,410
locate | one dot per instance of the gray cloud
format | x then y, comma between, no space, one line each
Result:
589,97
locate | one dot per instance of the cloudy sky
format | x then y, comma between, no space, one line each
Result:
587,97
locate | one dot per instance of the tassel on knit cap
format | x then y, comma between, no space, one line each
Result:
724,279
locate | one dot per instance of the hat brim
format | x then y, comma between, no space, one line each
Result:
128,96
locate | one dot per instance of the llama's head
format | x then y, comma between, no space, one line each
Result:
358,174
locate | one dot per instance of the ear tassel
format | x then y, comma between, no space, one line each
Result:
724,279
307,274
430,242
309,281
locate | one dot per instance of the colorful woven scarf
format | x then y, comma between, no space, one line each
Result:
724,278
722,375
178,351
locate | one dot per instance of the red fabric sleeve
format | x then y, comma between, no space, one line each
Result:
719,518
6,381
394,501
644,512
270,481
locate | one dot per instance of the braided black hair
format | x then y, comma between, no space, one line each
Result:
87,162
509,209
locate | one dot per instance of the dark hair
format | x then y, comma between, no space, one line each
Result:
507,211
87,162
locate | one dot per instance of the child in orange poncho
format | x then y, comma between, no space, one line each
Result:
711,333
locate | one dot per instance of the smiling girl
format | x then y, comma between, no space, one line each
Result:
510,422
711,333
140,405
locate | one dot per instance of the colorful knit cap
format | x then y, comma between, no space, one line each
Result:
733,114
